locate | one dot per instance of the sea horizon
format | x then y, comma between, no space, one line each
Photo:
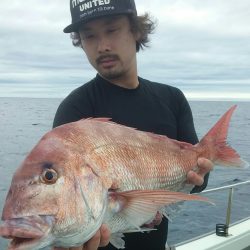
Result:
205,99
193,91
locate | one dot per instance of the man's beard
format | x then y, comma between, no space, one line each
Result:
112,73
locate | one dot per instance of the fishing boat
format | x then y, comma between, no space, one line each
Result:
226,236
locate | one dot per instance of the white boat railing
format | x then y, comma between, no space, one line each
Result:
222,229
226,187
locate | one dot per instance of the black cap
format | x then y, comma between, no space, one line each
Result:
83,11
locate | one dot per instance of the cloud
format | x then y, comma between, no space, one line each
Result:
203,43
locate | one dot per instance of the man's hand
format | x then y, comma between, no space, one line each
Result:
100,239
197,178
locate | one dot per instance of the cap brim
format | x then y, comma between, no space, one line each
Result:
75,26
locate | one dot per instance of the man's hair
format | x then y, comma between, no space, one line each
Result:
142,25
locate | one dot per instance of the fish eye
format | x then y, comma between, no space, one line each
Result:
49,176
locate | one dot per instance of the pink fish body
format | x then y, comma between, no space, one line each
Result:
84,173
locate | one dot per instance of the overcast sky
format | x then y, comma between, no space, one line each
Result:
200,46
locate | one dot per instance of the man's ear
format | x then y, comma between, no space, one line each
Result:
137,36
82,44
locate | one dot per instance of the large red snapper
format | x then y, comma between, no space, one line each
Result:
84,173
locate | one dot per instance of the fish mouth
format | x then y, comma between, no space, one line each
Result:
26,232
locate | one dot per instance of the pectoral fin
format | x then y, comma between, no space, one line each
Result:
140,206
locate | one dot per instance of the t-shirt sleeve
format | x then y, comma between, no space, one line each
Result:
185,123
74,107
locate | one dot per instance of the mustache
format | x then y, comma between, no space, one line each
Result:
105,57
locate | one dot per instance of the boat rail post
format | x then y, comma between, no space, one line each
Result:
229,207
222,229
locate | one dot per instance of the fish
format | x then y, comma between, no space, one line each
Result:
93,171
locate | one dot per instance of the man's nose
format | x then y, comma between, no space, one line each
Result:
103,45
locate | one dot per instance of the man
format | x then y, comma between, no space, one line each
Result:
110,33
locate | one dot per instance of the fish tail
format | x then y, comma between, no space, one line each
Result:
215,143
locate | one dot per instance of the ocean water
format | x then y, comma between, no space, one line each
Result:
24,120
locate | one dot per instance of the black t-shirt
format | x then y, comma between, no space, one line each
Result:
152,107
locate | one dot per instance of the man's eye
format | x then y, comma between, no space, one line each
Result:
112,30
88,36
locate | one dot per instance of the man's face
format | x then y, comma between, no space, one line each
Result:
110,46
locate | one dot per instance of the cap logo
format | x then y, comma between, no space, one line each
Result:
87,4
83,11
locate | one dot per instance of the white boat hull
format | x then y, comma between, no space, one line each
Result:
238,239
